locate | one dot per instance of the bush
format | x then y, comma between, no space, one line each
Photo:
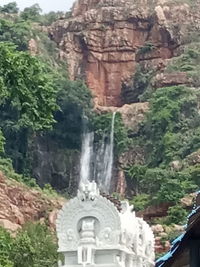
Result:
34,246
7,168
48,190
101,125
140,202
6,243
176,215
170,192
173,112
160,184
10,8
32,13
188,62
147,48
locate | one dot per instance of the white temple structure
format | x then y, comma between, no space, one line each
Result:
92,232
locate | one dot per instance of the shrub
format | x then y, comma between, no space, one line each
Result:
147,48
140,202
34,246
173,112
6,242
10,8
160,184
101,124
177,215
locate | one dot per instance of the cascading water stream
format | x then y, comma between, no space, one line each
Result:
86,156
99,163
110,154
104,177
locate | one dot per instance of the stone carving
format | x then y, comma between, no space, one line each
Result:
92,232
88,191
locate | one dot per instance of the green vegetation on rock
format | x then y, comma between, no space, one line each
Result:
33,246
37,98
170,133
101,125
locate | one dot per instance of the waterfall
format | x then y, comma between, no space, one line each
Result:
99,163
86,156
106,150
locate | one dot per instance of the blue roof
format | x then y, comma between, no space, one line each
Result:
175,245
194,211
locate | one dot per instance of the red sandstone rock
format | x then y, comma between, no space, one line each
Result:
154,211
158,228
12,227
171,79
132,115
102,38
19,204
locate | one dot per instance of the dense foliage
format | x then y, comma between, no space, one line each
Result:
15,31
28,99
34,246
170,133
36,95
37,98
74,101
10,8
5,248
26,90
101,125
173,113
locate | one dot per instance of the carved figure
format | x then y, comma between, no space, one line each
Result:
88,191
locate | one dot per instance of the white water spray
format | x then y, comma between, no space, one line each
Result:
86,155
104,177
102,160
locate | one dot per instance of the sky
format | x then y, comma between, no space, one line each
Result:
46,5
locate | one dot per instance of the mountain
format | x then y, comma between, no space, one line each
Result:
139,58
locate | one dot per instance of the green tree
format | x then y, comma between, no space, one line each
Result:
159,184
10,8
173,112
26,89
101,124
49,18
136,173
176,214
6,242
15,31
34,246
27,100
31,13
74,100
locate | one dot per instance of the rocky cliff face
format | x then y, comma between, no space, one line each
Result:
54,164
104,39
19,204
104,42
